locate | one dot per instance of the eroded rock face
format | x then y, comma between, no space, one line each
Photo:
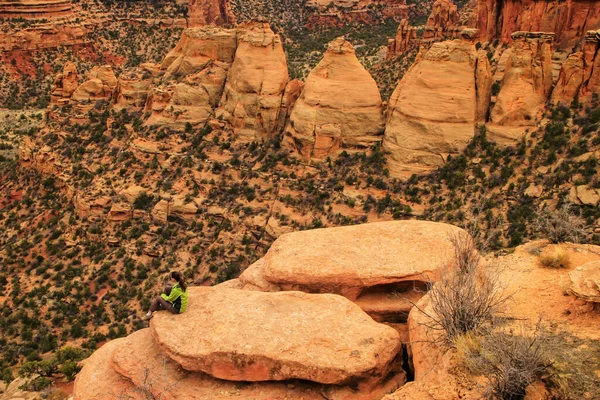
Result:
252,97
44,36
526,84
434,108
133,87
567,19
340,107
65,84
258,336
210,12
100,85
580,73
404,40
443,21
585,282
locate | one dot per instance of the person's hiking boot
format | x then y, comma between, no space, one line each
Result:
147,317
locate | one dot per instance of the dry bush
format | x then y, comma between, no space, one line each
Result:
510,362
466,297
560,225
557,259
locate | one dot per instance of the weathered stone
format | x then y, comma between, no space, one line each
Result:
340,107
343,260
258,336
585,282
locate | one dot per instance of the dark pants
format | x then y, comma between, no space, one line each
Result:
161,304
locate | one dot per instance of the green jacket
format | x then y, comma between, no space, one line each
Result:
178,298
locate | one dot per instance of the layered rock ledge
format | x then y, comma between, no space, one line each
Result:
258,336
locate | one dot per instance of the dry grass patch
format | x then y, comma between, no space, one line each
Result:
558,258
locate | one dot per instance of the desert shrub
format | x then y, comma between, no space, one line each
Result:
466,297
560,225
557,259
510,362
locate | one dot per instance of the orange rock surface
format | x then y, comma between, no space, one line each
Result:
340,107
258,336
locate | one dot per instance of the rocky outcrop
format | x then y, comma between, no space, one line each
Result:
320,338
340,107
44,36
580,73
434,108
210,12
35,9
133,87
252,97
405,39
585,282
65,84
569,20
100,85
525,86
442,22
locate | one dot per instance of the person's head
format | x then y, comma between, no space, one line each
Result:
179,278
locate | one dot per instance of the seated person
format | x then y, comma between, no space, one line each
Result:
174,299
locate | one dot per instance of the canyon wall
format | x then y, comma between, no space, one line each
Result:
569,20
210,12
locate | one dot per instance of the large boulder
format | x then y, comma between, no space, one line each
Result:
256,336
585,282
340,106
434,108
97,380
351,260
252,97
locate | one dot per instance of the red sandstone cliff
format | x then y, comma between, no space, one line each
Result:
569,19
210,12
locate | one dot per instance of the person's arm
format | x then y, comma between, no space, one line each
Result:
175,293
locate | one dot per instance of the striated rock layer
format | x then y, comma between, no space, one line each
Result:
252,97
45,36
569,20
340,107
35,9
258,336
434,108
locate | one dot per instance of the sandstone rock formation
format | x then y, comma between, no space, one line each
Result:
252,97
443,21
525,86
340,106
133,87
406,36
580,73
35,9
321,338
585,282
100,85
44,36
65,84
210,12
567,19
195,72
434,108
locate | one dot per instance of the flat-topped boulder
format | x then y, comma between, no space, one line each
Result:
585,282
347,260
139,359
244,335
97,380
